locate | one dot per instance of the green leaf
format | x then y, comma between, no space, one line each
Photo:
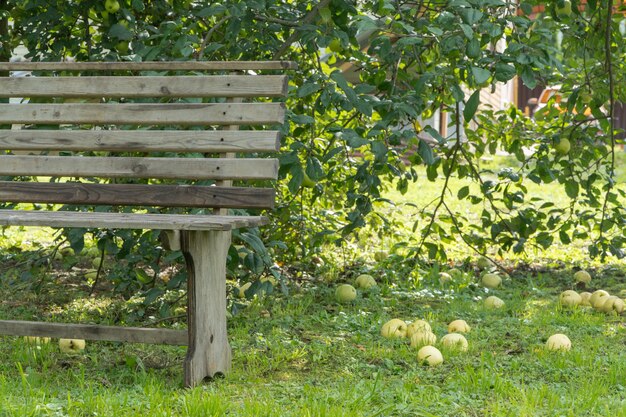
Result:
426,152
571,188
504,72
434,133
308,89
120,32
470,16
467,31
463,192
528,78
480,74
471,106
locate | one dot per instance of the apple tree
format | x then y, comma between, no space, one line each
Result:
371,75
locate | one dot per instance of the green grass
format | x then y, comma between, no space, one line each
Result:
314,357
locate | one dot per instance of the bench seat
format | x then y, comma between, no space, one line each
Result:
127,220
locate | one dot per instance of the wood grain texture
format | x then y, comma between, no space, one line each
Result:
145,113
205,141
94,332
137,167
146,86
209,352
136,195
128,220
149,66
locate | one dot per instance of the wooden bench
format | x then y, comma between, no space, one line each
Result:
190,111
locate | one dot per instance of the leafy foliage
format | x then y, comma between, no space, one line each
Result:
372,75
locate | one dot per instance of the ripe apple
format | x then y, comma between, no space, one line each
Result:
491,280
381,255
596,298
335,45
455,341
570,299
612,304
584,298
566,9
563,147
394,328
111,6
345,293
418,326
582,276
365,281
559,342
483,263
458,326
423,338
444,278
430,355
71,345
34,340
493,302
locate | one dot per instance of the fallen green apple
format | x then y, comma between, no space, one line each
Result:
345,293
584,298
444,278
394,328
570,299
559,342
365,281
493,302
423,338
582,276
429,355
483,263
455,341
417,326
458,326
612,304
596,298
71,345
491,280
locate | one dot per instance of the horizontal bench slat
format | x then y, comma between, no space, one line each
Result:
149,66
149,113
127,220
136,195
94,332
148,86
135,167
141,140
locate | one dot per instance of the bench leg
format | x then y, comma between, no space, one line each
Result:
209,352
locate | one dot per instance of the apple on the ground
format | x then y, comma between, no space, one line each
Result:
423,338
584,298
612,304
429,355
582,276
491,280
458,326
596,299
570,299
71,345
418,326
455,341
492,302
394,328
559,342
345,293
365,281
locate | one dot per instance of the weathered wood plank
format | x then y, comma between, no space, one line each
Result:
94,332
127,220
147,86
136,195
206,141
209,352
149,66
138,167
148,113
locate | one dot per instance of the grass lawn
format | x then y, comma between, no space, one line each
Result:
306,355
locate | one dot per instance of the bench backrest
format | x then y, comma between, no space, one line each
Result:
183,124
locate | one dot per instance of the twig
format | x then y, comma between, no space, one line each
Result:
206,39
